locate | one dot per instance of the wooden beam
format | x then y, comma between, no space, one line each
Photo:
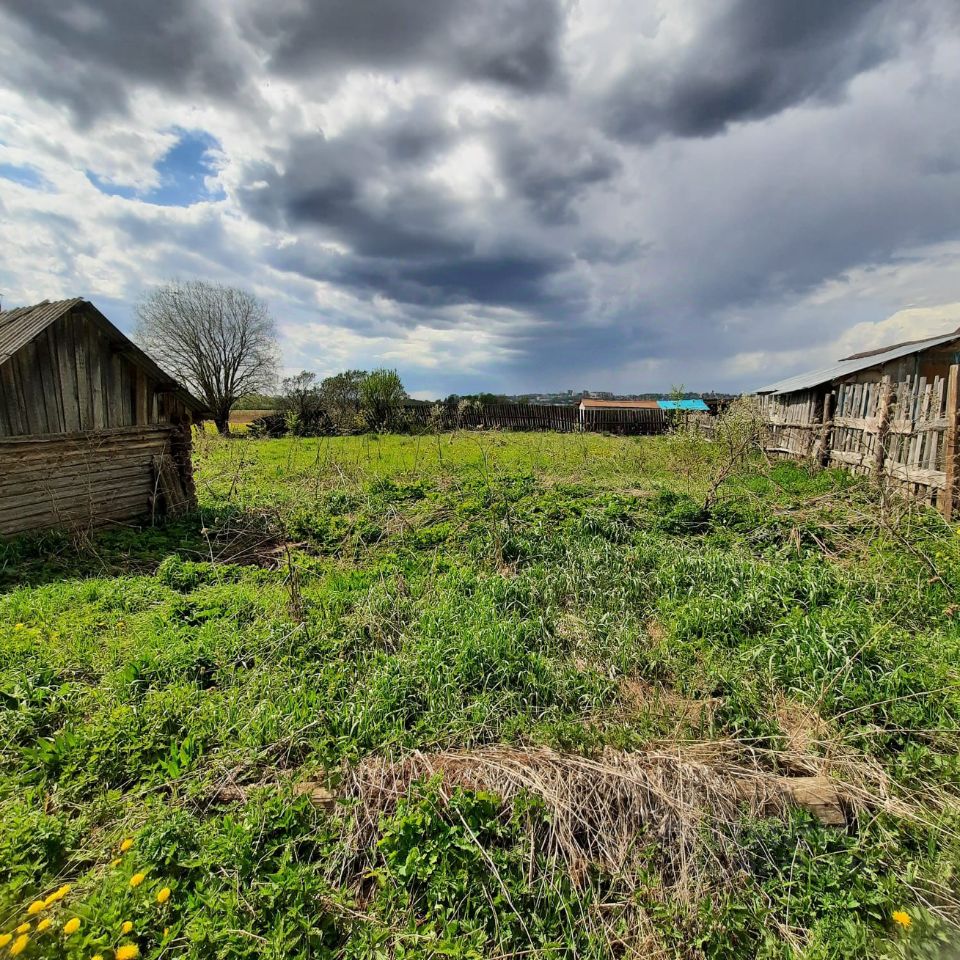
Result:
883,425
141,412
948,494
824,443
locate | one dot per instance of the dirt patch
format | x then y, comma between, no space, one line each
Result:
807,733
659,700
656,631
571,630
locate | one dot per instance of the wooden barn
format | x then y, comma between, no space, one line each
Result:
92,431
889,413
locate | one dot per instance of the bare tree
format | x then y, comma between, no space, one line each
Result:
220,341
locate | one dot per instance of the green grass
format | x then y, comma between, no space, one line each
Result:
340,600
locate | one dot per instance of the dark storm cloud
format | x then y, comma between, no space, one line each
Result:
90,54
365,188
508,42
751,60
550,171
409,237
516,279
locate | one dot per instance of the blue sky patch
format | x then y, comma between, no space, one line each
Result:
181,171
26,176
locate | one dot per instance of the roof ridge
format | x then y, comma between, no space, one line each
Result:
808,379
894,346
29,307
22,324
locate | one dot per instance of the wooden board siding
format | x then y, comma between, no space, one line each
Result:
72,378
76,480
793,422
900,432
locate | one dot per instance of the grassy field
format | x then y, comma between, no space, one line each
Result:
485,696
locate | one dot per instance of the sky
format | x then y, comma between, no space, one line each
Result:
513,195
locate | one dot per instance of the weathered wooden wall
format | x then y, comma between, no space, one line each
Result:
903,432
77,480
75,377
792,420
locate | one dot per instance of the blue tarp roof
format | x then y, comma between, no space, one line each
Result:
682,405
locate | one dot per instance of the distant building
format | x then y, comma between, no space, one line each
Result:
591,403
695,405
92,431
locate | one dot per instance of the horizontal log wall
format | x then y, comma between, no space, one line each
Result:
903,432
89,479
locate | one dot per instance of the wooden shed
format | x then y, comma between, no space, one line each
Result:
890,413
92,431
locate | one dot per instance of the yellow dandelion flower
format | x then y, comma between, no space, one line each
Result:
902,917
5,938
71,926
163,895
57,895
166,932
126,927
18,626
44,924
19,945
126,845
23,928
129,951
36,907
97,956
115,863
137,879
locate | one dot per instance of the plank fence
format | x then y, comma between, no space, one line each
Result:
903,433
524,416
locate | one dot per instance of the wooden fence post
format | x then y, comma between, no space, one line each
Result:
949,493
883,426
826,431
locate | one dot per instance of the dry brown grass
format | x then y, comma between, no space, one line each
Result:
241,418
679,809
688,797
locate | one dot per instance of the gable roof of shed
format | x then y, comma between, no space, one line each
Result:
857,362
22,324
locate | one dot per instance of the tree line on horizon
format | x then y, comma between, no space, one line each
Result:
221,343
